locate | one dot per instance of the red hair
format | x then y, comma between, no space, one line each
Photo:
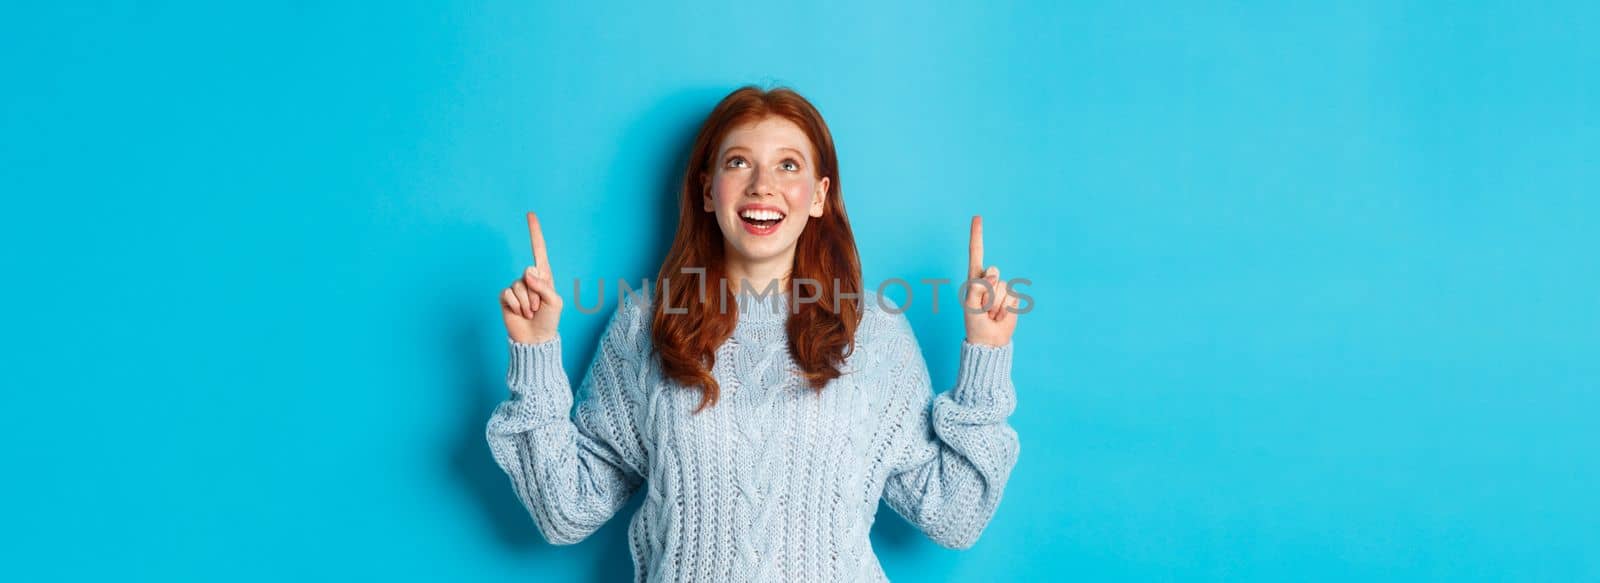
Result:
822,333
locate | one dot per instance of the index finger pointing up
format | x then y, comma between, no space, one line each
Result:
536,236
975,248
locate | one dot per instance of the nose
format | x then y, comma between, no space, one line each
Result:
761,183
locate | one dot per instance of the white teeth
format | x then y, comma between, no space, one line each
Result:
761,215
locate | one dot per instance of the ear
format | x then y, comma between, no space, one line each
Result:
819,198
705,192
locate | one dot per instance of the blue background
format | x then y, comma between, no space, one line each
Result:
1316,288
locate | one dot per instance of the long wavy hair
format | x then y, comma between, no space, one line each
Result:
822,333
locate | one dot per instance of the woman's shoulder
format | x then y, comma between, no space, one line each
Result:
882,317
886,351
636,303
630,321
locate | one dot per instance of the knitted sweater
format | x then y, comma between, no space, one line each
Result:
776,482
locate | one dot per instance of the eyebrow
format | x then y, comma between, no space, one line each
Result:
802,155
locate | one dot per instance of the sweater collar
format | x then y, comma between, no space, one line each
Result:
753,307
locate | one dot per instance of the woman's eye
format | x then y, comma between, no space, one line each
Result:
736,162
790,166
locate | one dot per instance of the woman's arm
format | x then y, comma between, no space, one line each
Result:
574,473
958,452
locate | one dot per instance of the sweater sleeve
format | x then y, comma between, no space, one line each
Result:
958,452
574,472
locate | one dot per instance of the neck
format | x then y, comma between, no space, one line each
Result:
745,273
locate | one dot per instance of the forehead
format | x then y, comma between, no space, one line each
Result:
767,134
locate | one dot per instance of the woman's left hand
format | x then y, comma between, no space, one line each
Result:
988,308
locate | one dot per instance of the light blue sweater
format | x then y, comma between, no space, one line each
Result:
775,482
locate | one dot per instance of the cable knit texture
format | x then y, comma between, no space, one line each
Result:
776,482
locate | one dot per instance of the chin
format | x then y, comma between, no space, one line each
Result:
761,249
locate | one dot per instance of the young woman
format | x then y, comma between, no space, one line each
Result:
764,426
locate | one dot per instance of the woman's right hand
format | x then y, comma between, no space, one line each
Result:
530,305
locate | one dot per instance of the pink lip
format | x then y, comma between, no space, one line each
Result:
758,231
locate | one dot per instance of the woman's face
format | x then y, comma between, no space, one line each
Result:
763,188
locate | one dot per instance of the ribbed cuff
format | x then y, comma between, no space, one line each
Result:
985,377
535,367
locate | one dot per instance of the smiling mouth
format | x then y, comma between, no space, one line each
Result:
761,219
761,223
